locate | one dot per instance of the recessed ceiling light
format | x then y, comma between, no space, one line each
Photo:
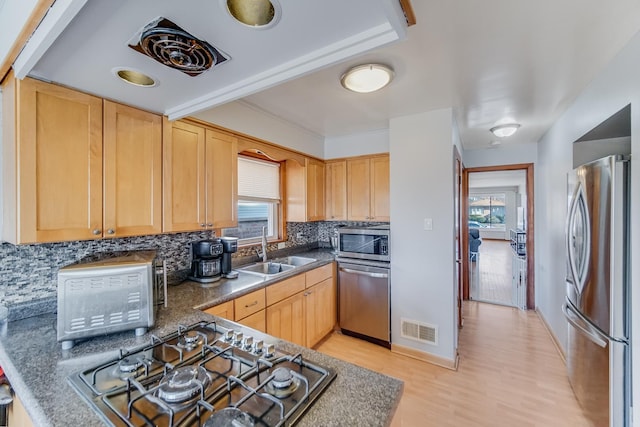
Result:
258,14
134,77
367,78
494,144
505,130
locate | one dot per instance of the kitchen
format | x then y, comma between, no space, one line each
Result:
613,88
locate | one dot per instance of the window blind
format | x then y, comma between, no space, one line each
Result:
258,179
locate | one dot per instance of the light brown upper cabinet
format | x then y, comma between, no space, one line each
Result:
336,190
305,190
200,178
368,188
132,171
75,168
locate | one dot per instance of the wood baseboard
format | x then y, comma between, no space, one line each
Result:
426,357
554,338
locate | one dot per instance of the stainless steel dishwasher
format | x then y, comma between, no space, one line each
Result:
364,296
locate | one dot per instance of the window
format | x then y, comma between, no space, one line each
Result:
487,210
258,201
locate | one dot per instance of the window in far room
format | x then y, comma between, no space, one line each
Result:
259,201
487,210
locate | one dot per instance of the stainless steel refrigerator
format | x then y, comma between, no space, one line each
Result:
597,305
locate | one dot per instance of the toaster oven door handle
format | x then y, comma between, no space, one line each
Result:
164,283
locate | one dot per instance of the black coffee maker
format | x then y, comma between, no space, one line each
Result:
229,246
206,257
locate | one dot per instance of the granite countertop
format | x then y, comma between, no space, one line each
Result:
37,367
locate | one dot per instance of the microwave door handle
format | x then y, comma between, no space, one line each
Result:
365,273
576,320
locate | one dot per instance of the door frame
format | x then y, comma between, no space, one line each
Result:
528,168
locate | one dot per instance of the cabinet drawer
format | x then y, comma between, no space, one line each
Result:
249,304
222,310
319,274
281,290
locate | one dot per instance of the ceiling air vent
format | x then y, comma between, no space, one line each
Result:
172,46
418,331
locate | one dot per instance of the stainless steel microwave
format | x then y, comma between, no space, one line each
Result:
370,243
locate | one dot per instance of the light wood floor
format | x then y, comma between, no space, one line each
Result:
510,374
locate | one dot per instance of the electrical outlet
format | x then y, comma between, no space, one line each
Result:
281,245
299,236
428,223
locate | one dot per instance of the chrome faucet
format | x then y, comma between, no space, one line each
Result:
263,253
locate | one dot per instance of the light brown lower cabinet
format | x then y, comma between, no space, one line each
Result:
320,304
286,319
17,415
255,321
300,309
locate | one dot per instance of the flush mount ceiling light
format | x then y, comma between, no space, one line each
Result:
255,13
134,77
505,130
367,78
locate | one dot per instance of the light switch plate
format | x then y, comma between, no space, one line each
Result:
428,223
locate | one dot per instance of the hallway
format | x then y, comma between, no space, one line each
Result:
510,374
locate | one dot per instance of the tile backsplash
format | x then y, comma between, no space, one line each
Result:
29,272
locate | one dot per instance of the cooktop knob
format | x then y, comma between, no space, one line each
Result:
237,338
269,350
247,343
228,336
257,346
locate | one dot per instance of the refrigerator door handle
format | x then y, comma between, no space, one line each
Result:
577,321
578,272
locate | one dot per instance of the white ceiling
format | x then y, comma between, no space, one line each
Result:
487,59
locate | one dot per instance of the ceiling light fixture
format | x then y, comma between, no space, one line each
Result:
505,130
367,78
494,144
258,14
134,77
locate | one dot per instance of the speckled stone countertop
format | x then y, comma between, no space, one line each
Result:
38,368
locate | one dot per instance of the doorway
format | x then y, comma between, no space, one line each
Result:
497,209
506,274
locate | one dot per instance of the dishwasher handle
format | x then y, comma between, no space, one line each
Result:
365,273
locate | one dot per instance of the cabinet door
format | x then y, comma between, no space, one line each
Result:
17,415
320,311
286,319
132,171
60,163
224,310
379,189
315,190
358,189
184,177
336,190
255,321
222,179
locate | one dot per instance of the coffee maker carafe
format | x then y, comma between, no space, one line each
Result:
206,261
229,246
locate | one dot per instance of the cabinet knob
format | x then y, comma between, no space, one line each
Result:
111,231
203,225
96,231
209,224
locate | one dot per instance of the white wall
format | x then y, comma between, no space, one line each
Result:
357,145
617,86
422,262
503,155
242,117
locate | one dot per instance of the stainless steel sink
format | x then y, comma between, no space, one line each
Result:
296,261
269,268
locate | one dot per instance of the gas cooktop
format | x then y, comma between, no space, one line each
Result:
203,375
